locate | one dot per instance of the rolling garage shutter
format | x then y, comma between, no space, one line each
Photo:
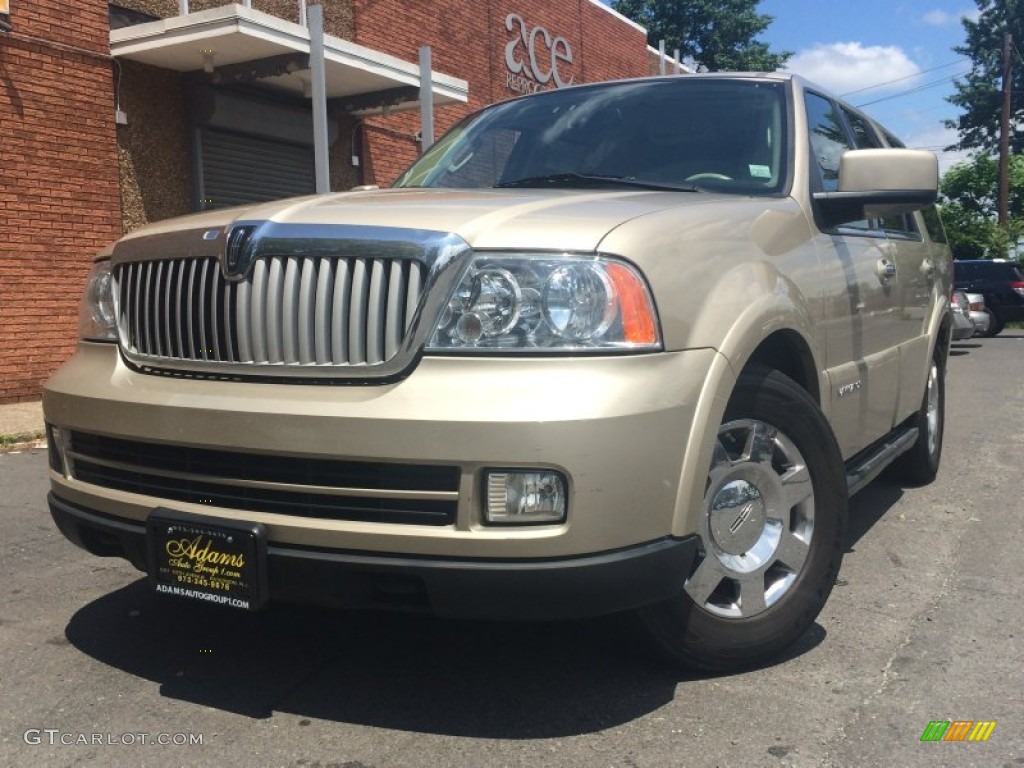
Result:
238,169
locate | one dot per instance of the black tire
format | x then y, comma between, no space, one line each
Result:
995,323
705,635
920,464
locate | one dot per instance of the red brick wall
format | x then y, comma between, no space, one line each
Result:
468,41
59,189
58,180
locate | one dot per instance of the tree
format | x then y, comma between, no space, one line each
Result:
969,207
979,93
716,34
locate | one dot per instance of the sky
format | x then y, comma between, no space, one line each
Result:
892,58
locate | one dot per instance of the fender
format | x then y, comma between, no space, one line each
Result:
775,304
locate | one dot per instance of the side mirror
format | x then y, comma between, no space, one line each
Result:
874,183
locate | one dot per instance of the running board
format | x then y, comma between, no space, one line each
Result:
867,465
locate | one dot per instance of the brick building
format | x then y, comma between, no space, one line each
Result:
112,116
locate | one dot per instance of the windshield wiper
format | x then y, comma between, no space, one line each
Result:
570,180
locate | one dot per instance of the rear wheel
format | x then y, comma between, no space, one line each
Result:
771,532
995,323
920,464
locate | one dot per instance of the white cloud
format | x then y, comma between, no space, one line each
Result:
938,18
937,139
845,67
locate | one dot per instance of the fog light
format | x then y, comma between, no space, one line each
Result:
55,449
520,498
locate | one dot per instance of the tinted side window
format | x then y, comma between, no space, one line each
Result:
863,134
963,270
933,223
893,141
903,225
828,139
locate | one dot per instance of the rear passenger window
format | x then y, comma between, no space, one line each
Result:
902,225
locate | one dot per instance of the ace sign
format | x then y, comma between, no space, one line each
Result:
534,58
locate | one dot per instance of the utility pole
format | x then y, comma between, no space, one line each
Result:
1004,135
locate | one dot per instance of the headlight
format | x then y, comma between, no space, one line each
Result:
97,320
548,303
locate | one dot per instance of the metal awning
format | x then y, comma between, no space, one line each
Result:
235,39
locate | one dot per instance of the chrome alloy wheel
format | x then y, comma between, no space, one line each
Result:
757,521
933,416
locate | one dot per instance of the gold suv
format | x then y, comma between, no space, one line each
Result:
619,347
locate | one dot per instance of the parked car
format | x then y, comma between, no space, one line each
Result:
1000,282
979,315
624,346
963,326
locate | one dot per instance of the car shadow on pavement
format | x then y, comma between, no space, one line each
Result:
405,672
868,507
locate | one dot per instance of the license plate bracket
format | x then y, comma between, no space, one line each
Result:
207,559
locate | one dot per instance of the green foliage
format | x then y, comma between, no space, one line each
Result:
969,192
10,441
717,34
979,93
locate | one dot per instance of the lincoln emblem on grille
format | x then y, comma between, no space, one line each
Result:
239,251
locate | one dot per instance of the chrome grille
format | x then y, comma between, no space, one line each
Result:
288,310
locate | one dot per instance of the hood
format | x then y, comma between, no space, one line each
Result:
528,219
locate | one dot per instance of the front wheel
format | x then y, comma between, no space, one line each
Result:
771,530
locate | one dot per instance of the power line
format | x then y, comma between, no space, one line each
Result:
909,91
940,149
901,79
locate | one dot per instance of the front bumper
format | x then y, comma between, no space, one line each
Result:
537,589
981,320
615,427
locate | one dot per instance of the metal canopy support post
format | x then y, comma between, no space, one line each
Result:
319,88
426,99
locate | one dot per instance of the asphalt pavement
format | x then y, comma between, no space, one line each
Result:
924,625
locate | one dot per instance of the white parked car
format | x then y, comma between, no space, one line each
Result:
980,315
963,326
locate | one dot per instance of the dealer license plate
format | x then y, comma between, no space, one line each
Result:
209,560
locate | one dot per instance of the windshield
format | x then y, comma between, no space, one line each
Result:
684,133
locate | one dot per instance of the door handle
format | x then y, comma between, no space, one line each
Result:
886,269
927,268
